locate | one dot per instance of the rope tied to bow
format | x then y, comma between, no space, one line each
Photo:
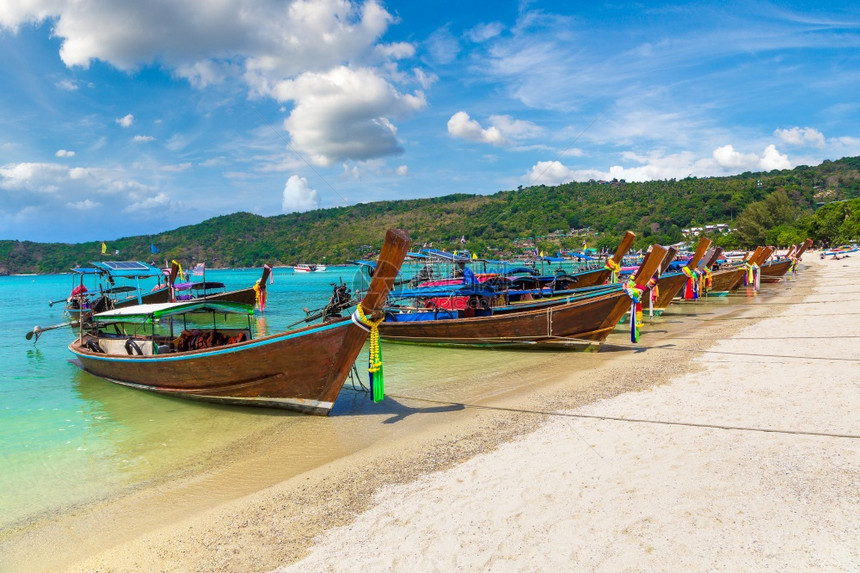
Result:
374,358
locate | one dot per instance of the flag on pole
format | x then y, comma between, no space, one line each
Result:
153,249
199,269
104,247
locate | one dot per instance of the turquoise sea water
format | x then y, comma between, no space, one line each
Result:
67,438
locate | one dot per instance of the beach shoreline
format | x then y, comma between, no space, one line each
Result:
280,525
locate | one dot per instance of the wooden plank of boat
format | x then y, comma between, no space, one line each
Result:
599,276
301,369
671,284
775,270
579,323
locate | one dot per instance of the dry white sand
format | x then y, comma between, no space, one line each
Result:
751,464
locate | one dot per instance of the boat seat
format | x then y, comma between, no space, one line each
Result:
117,346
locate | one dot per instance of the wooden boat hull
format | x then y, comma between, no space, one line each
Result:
668,288
775,271
724,281
575,324
301,370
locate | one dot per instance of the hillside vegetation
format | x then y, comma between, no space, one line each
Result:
599,212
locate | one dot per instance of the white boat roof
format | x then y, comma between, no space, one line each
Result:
157,310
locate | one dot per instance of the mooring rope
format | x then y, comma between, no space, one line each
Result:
630,420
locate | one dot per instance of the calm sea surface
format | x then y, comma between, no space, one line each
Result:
69,439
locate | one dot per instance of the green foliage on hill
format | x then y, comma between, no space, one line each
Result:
601,211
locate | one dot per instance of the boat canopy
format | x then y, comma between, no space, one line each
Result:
446,291
127,269
87,271
146,313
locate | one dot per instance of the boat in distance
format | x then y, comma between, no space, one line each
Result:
302,370
582,322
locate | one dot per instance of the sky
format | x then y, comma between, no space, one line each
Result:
122,118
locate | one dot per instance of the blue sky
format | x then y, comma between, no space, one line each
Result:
127,118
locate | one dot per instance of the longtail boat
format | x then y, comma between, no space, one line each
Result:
670,284
302,369
104,294
730,277
585,321
775,270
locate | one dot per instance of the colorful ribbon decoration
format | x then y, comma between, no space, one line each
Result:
793,267
374,359
691,291
751,277
614,268
634,291
260,295
180,273
653,294
707,280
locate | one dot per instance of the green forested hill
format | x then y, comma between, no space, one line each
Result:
655,210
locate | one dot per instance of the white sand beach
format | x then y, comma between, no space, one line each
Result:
751,464
734,448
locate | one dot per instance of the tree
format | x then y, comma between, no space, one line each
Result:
761,216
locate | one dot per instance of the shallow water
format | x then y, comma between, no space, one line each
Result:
70,439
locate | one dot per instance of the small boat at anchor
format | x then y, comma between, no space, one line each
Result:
302,369
302,268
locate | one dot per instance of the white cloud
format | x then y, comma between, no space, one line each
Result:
143,138
801,136
298,196
549,173
65,153
345,114
67,85
85,205
148,203
402,170
726,156
724,160
484,32
125,121
515,128
773,159
462,126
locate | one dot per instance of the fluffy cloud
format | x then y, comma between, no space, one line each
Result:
143,138
462,126
724,160
65,153
345,114
299,196
502,131
801,136
323,55
770,159
85,205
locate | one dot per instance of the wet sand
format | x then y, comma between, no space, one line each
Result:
506,483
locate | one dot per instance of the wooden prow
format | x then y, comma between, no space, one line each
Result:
671,252
753,257
715,257
623,246
267,270
763,256
174,270
806,244
394,250
650,265
704,243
